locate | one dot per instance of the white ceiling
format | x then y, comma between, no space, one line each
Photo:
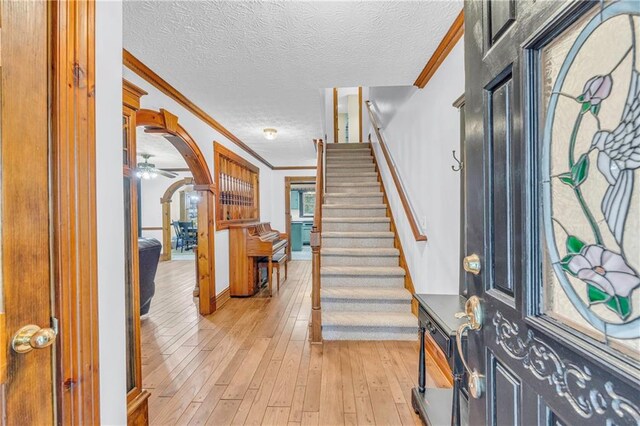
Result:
164,155
257,64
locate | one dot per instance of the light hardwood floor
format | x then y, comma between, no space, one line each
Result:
251,362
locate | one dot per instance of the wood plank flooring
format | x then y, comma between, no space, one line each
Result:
251,362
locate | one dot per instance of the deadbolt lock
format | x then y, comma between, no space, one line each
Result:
471,264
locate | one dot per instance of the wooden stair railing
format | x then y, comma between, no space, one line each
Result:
418,234
316,242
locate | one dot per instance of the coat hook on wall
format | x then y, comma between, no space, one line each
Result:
460,164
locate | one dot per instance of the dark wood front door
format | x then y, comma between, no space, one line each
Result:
552,152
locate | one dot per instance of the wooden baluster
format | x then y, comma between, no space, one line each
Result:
230,171
247,193
236,214
238,195
243,191
222,191
226,189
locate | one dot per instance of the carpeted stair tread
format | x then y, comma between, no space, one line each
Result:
356,234
354,206
351,174
377,252
366,294
351,165
358,157
363,271
352,184
369,319
355,195
341,146
356,219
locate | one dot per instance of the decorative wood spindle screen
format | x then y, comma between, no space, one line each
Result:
238,184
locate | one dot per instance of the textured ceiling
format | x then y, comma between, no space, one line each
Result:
260,64
164,155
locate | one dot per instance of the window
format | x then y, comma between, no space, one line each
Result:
307,203
237,181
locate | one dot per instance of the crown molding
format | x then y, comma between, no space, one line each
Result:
138,67
442,51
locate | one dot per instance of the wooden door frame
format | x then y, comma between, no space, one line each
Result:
360,113
166,215
288,180
335,114
74,222
166,124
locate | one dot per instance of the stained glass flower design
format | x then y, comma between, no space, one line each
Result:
590,257
610,279
595,91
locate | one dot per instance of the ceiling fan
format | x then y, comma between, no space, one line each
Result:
147,170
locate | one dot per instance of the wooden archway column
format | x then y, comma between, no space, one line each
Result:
206,261
166,124
166,215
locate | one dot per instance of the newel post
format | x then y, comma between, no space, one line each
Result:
316,312
316,243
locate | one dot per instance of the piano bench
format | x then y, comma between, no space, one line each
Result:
280,259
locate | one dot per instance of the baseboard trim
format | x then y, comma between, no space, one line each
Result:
222,298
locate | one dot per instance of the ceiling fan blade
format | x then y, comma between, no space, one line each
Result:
165,173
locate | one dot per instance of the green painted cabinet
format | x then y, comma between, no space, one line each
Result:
306,233
296,236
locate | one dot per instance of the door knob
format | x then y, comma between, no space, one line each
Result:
472,264
475,316
32,337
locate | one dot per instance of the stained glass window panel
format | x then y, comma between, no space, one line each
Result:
591,175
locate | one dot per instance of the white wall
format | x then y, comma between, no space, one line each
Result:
110,218
354,119
420,135
204,135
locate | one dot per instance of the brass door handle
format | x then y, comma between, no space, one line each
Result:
32,337
475,316
472,264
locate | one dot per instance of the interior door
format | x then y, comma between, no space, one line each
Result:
26,367
553,214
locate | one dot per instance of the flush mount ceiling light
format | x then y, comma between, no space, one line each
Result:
270,133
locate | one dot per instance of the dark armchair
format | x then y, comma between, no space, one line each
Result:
149,252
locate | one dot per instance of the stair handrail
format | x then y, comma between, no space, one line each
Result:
316,242
418,233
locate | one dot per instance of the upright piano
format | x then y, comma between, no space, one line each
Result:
248,243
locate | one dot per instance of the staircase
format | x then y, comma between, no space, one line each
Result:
362,285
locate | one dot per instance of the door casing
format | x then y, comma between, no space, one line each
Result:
288,180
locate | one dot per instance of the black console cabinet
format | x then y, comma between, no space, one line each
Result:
437,406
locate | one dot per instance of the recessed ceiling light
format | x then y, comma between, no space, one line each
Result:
270,133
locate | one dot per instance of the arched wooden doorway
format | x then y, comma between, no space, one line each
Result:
166,124
166,215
